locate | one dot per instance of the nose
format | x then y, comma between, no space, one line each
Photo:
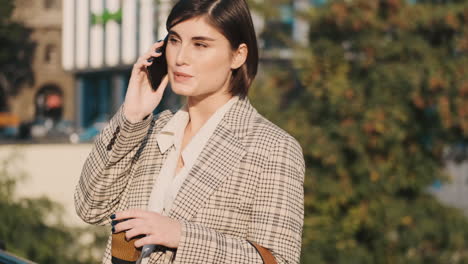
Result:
182,57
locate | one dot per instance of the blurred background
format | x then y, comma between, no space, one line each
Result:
375,91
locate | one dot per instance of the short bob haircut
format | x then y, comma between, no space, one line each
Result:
232,18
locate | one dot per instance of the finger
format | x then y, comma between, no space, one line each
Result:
124,224
139,65
150,57
147,240
152,54
131,213
146,61
156,45
132,233
162,86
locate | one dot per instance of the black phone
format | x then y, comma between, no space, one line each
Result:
158,69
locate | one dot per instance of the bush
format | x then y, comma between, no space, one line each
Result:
383,90
33,228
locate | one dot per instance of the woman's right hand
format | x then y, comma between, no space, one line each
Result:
140,99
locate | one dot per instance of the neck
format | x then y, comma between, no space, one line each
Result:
200,109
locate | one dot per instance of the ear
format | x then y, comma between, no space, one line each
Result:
240,56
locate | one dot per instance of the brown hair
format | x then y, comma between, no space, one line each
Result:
232,18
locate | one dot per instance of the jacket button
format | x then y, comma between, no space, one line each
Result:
111,143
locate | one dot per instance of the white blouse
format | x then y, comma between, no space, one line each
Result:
170,138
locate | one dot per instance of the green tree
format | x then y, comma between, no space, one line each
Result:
16,54
383,92
33,228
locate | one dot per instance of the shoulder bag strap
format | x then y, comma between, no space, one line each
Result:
266,255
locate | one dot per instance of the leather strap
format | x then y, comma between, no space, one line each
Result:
266,255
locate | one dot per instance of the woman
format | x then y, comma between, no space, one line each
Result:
204,183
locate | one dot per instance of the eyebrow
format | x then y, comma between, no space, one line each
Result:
172,32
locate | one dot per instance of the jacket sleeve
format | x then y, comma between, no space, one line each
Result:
105,172
276,221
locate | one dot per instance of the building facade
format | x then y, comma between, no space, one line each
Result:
52,94
101,42
102,39
85,50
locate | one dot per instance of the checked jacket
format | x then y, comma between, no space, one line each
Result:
246,185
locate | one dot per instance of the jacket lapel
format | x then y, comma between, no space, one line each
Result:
218,159
152,164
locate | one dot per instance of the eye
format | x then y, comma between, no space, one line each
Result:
200,45
173,40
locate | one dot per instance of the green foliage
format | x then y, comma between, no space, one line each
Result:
384,90
33,228
16,54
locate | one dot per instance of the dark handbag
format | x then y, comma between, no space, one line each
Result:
266,255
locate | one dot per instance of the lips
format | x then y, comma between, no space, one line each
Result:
181,74
182,77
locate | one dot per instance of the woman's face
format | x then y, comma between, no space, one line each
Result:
199,59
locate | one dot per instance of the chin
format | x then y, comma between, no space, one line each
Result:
181,89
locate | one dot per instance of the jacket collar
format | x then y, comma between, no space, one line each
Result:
168,134
225,146
238,120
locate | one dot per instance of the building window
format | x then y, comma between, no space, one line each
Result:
96,105
50,54
49,103
49,4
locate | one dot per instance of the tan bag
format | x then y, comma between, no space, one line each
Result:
266,255
124,251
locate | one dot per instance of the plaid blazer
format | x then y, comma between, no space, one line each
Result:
246,185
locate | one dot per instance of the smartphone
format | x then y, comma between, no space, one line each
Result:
158,69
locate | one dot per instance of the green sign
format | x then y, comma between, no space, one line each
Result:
106,16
